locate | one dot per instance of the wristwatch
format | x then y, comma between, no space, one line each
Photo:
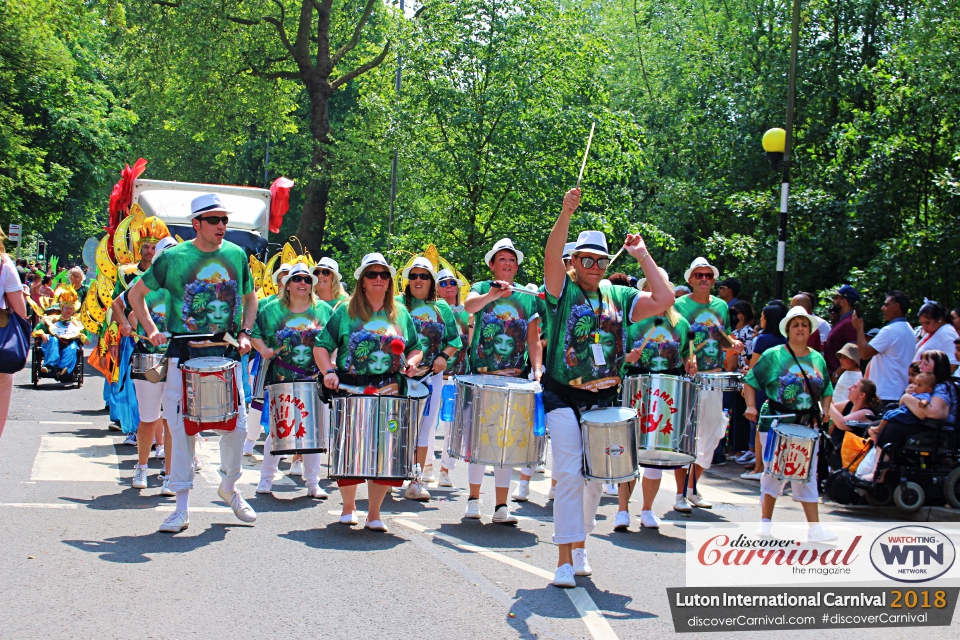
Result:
329,371
246,331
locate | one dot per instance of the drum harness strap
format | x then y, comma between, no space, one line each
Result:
289,367
812,415
578,399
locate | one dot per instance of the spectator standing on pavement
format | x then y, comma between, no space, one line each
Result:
938,333
12,300
680,290
849,372
824,327
842,331
728,290
801,300
891,352
768,338
955,319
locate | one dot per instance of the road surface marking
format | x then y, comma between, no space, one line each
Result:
171,508
39,505
208,451
711,493
383,514
73,459
64,422
596,624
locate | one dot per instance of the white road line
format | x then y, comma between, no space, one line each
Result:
39,505
711,493
384,514
596,624
73,459
63,422
171,508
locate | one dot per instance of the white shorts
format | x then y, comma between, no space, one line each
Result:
149,399
802,491
711,425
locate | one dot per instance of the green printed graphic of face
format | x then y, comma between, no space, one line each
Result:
302,356
711,348
658,363
609,343
379,363
503,345
218,313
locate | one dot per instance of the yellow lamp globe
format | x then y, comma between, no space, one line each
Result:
774,140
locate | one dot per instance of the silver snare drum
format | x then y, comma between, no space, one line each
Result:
210,398
152,366
720,381
493,423
259,385
609,444
667,421
791,457
296,423
373,436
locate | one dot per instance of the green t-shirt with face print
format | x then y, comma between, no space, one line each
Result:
662,344
364,348
436,329
293,334
777,373
158,304
499,343
458,364
707,321
572,329
205,287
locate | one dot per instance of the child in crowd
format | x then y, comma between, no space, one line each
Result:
849,371
921,388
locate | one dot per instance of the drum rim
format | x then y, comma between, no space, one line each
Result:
813,432
636,415
227,364
520,385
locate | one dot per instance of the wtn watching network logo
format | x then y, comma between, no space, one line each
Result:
912,554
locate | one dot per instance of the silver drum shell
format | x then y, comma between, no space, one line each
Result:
667,422
493,422
142,362
792,454
295,408
609,444
725,381
259,385
373,436
209,389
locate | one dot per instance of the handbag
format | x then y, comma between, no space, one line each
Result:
14,337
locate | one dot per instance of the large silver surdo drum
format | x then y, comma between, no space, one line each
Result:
373,436
210,397
493,424
609,444
667,426
296,423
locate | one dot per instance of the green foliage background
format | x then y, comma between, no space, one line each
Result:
491,120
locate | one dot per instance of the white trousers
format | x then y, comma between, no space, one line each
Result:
184,446
149,399
711,425
428,423
802,491
501,475
311,465
576,500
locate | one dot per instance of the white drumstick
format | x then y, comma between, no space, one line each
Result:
586,154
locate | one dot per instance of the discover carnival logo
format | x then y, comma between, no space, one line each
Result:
912,554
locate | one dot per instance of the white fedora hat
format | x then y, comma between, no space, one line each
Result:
372,259
327,263
643,281
206,203
283,267
300,269
798,312
568,250
591,242
700,263
420,263
164,244
500,245
446,274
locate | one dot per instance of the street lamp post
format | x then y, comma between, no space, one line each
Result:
393,166
776,142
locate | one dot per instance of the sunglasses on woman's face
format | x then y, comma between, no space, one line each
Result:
322,272
448,283
373,275
602,263
420,276
300,279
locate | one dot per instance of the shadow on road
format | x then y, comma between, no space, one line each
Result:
489,535
136,549
335,536
649,540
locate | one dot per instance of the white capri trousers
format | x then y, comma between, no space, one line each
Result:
576,499
711,425
149,398
231,442
802,491
428,424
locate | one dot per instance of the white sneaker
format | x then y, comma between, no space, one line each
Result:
349,519
522,494
622,521
540,469
131,440
196,464
746,458
503,516
564,577
552,492
159,454
165,490
610,489
241,509
580,565
649,520
763,530
697,500
248,447
682,505
316,491
473,509
375,525
265,486
140,477
175,522
428,474
819,533
751,475
444,479
415,491
296,469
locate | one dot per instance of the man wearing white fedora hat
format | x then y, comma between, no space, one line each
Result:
506,340
585,356
211,291
707,315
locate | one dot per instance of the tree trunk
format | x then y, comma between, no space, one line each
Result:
313,219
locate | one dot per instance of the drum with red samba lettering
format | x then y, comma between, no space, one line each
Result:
667,425
296,423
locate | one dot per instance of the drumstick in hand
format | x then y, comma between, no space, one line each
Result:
657,322
691,336
586,154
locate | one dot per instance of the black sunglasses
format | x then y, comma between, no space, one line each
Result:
300,279
373,275
587,263
420,276
322,272
215,219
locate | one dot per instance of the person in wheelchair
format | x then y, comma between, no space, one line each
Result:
61,336
922,390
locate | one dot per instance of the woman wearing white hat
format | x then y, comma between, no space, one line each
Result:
285,335
584,363
439,342
362,332
329,284
796,382
449,289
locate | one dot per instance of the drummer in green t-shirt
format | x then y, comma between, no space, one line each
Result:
585,355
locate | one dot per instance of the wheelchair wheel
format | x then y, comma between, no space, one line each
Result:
78,373
909,497
34,368
881,496
951,488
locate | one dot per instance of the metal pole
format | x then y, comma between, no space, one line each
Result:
266,166
785,182
19,239
393,167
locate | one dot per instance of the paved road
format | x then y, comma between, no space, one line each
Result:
80,555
